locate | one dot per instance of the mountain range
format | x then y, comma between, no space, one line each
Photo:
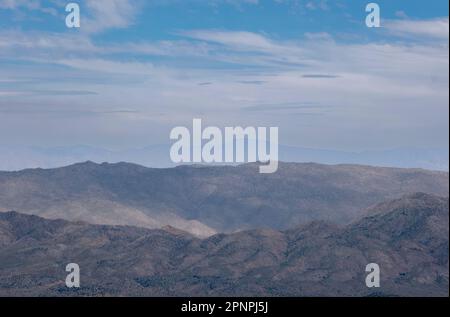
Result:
13,158
215,199
407,237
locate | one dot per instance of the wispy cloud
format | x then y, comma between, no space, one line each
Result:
107,14
237,40
317,5
97,15
431,29
28,5
320,76
287,106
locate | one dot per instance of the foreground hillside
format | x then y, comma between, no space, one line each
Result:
206,200
407,237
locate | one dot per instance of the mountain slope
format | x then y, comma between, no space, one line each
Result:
407,237
205,200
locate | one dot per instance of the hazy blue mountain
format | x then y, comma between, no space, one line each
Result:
17,158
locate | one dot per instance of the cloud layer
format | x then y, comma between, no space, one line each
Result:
60,87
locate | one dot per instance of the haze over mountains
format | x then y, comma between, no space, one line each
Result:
407,237
13,158
207,200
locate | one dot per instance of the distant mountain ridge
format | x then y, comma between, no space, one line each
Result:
13,158
205,200
407,237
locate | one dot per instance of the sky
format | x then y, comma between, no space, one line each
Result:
136,69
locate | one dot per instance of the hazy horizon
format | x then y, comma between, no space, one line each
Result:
134,70
15,158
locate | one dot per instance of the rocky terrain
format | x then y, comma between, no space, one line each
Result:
407,237
208,200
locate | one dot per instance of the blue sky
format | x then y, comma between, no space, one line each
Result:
136,69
